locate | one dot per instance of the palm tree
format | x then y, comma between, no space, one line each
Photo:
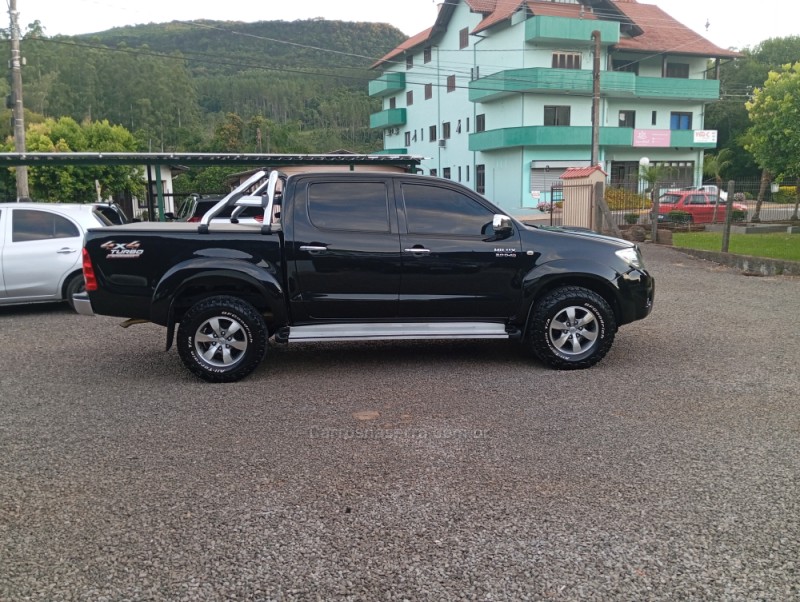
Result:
715,165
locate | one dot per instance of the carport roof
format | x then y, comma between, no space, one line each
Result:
409,162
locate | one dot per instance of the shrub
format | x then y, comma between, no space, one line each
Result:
631,218
785,194
619,199
738,215
679,217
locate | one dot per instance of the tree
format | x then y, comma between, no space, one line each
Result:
715,165
73,183
774,136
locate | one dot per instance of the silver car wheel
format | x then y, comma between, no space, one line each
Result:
220,342
574,330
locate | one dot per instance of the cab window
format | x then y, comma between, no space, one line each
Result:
434,210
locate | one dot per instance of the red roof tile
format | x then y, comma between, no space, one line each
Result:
662,33
581,172
558,9
416,40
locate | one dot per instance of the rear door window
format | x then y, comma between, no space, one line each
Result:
349,206
32,224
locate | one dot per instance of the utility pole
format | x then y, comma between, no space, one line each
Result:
596,99
16,96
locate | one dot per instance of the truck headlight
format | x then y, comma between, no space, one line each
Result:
631,256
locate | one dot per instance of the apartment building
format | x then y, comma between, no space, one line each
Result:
499,94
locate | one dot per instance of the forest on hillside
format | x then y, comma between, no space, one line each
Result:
271,86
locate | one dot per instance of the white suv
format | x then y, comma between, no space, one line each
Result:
40,250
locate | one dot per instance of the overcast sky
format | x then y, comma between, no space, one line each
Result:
731,23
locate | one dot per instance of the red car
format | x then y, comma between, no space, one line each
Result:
696,206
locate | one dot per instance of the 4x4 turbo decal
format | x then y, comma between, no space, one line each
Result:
122,250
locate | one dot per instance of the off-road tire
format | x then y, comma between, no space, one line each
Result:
222,339
571,328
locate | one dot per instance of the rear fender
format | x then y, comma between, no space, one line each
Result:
218,276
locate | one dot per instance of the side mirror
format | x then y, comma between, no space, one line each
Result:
502,226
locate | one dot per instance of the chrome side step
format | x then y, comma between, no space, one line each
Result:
397,331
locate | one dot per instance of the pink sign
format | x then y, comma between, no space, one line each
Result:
651,137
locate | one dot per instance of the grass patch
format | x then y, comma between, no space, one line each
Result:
774,245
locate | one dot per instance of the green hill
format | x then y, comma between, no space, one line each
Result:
303,84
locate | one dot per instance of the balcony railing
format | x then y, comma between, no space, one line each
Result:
387,119
564,29
613,84
570,136
387,84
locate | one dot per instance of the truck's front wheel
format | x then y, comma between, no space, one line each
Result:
571,327
222,339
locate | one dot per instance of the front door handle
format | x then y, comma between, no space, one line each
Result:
312,248
417,250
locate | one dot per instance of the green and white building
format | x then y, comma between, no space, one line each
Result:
498,94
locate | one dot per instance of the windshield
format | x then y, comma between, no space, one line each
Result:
669,199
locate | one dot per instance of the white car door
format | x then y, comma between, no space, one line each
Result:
40,247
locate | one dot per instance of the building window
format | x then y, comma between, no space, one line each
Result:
681,172
428,91
408,138
467,125
480,123
556,115
467,179
625,65
409,98
459,173
433,172
451,83
446,173
480,179
446,130
680,121
432,133
409,61
654,118
677,70
566,60
426,54
627,119
392,103
463,38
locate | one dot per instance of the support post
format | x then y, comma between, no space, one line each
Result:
726,231
17,107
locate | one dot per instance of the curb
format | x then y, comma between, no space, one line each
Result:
762,266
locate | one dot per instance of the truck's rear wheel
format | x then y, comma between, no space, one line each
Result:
222,339
571,327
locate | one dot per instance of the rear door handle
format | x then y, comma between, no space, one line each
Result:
66,251
417,250
312,248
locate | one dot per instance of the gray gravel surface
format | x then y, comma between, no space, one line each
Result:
413,471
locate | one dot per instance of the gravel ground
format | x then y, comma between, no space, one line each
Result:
413,471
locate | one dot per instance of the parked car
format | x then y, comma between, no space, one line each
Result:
112,212
195,207
695,205
40,250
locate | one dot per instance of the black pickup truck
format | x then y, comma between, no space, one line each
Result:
360,256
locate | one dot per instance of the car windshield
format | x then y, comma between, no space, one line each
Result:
669,199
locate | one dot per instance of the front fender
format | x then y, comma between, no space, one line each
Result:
570,271
214,272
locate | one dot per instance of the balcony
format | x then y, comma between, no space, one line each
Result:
677,88
563,29
544,79
570,136
387,84
613,84
387,119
